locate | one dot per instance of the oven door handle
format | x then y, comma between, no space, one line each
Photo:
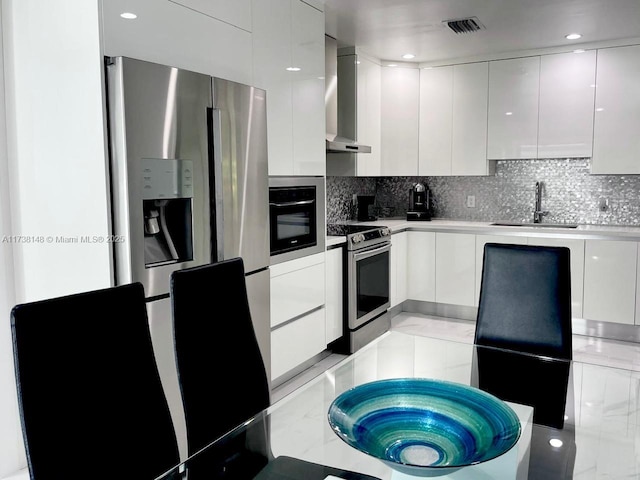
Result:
292,204
370,253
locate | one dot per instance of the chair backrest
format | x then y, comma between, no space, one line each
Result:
525,299
222,376
90,396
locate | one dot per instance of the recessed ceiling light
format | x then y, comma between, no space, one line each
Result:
293,69
408,56
556,442
579,50
128,15
392,65
573,36
508,113
357,62
598,110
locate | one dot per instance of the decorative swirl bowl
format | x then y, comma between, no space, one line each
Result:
424,427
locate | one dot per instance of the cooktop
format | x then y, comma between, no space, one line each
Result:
339,229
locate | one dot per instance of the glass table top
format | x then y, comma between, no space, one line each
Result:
578,420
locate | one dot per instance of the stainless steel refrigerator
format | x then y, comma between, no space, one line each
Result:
189,186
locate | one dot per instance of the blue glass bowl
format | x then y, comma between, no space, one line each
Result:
424,427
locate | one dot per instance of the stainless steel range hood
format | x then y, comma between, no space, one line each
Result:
341,101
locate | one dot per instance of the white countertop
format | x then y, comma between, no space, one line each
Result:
599,232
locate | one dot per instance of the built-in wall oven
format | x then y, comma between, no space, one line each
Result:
367,282
296,217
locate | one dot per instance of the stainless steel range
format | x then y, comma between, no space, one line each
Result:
367,283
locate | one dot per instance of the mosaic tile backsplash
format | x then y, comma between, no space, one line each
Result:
570,194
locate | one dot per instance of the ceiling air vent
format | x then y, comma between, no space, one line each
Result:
465,25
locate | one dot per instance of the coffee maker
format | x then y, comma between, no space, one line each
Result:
419,203
365,207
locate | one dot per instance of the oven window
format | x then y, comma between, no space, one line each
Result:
292,225
372,284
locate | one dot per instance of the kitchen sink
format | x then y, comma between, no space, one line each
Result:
535,225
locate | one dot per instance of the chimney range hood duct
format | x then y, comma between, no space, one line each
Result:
341,101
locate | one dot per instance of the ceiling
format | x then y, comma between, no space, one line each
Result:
387,29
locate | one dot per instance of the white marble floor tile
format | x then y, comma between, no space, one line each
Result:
590,350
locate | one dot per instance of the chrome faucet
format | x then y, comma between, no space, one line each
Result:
538,213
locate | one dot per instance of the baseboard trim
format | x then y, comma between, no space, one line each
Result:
579,326
440,309
285,377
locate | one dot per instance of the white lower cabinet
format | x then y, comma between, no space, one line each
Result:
421,266
296,342
576,249
297,287
398,274
481,241
334,295
455,268
610,281
298,320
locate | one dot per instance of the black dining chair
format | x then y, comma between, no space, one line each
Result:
223,379
525,300
90,397
544,384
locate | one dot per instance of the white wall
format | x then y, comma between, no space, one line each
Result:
57,148
11,451
55,168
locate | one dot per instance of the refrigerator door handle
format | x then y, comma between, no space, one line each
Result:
215,183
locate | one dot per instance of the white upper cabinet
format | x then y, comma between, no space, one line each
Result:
513,108
436,112
319,4
271,58
290,34
616,142
175,34
567,92
308,90
234,12
369,90
469,133
453,120
400,111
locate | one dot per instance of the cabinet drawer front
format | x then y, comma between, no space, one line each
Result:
296,293
297,342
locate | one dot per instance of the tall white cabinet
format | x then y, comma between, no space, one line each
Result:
290,34
616,142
